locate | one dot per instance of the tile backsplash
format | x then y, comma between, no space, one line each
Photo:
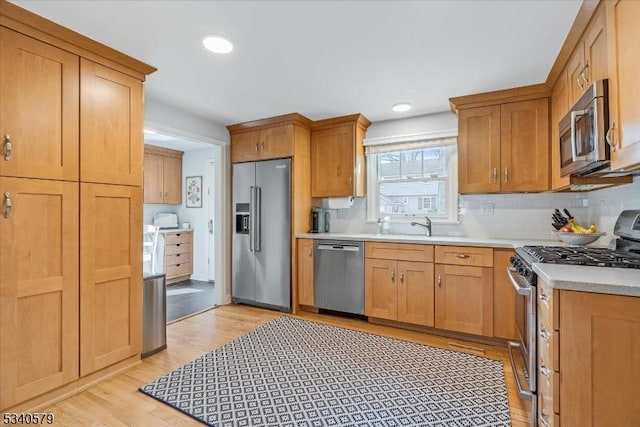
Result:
605,205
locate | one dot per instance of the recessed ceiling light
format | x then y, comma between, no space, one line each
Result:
217,44
401,107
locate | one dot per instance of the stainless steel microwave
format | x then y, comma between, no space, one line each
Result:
583,131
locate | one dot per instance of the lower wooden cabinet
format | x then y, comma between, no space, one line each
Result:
305,272
504,296
110,275
380,290
38,288
415,293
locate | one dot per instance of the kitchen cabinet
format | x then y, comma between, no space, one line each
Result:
162,175
504,148
35,76
399,282
39,288
70,247
559,108
111,125
464,289
337,157
178,255
588,369
110,274
305,272
268,143
623,34
504,296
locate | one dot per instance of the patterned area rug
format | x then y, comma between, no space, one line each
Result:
292,372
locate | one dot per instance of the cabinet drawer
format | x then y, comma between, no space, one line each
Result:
173,238
178,258
464,255
179,248
179,269
399,251
549,343
548,305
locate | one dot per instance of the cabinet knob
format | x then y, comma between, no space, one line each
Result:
7,147
462,256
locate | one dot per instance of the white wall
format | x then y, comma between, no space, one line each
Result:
413,125
605,205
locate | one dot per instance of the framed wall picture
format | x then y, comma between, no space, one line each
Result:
194,192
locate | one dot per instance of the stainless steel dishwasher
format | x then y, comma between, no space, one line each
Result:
338,275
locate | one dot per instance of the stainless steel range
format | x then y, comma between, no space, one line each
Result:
523,352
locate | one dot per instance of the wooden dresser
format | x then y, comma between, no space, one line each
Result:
178,255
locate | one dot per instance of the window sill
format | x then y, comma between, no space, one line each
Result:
402,220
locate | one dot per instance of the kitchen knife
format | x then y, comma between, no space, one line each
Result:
568,214
556,226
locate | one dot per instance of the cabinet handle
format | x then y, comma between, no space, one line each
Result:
506,174
7,147
609,135
495,175
463,256
161,194
545,371
544,334
350,180
544,297
257,147
402,276
542,420
310,252
439,281
262,147
584,76
393,275
579,79
7,205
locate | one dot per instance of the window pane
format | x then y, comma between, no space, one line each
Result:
411,164
435,162
389,166
413,197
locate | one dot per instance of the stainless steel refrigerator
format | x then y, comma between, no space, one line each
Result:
261,263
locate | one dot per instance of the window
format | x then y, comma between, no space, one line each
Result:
412,179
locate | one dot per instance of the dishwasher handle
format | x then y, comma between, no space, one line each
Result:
347,248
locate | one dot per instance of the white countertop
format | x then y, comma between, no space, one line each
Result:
434,240
603,280
175,230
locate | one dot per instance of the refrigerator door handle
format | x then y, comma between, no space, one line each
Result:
252,216
258,215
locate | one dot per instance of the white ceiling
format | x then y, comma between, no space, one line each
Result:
325,58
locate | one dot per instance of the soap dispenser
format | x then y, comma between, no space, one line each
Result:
386,225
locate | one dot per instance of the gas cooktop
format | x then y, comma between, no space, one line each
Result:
599,257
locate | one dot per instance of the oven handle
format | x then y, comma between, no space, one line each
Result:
525,394
521,290
574,148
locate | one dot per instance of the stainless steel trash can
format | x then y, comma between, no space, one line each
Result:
154,314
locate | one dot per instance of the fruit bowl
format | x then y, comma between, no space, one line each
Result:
578,239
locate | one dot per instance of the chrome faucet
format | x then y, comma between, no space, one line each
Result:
426,225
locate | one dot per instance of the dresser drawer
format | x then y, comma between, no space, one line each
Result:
173,238
178,258
399,251
180,248
179,270
464,255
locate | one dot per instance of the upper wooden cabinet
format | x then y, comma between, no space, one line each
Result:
623,35
337,157
35,76
272,138
162,175
559,107
504,148
111,125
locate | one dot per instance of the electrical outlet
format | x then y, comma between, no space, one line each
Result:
486,208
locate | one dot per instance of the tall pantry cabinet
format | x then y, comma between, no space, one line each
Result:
71,119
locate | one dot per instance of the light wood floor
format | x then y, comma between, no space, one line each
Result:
117,402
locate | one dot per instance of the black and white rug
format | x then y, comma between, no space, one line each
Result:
292,372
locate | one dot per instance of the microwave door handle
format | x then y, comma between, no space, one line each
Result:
574,147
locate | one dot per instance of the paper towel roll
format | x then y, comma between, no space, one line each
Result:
339,202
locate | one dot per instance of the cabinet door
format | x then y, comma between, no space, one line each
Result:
245,147
623,33
110,275
380,288
559,108
574,69
332,161
39,109
464,299
172,180
525,146
276,142
479,150
599,359
38,288
153,178
504,296
595,48
415,293
305,272
111,126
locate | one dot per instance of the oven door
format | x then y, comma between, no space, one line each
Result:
523,354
